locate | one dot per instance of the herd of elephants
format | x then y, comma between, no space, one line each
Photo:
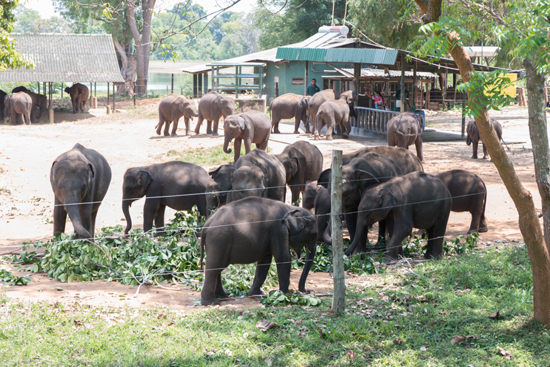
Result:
244,203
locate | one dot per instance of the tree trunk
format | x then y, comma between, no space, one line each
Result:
143,41
523,200
128,71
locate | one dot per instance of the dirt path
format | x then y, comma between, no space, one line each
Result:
128,139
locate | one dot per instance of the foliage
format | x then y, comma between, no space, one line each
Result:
459,245
30,21
9,58
204,156
8,278
278,298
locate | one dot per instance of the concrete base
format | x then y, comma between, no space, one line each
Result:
108,110
95,102
51,116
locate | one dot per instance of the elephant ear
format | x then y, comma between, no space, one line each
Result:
387,199
324,178
304,103
366,176
144,179
295,221
92,170
294,164
242,123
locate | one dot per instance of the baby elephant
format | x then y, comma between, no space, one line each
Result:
469,195
405,129
256,230
171,108
415,200
80,179
473,136
251,126
332,113
317,197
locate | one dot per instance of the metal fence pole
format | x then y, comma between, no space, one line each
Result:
463,115
339,294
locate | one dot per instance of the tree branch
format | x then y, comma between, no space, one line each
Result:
431,10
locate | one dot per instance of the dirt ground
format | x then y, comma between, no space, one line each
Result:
127,138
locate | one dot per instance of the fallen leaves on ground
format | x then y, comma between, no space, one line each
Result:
351,354
494,315
506,354
265,325
398,341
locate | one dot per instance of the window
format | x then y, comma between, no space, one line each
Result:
297,81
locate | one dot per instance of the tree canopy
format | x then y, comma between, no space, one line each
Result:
9,58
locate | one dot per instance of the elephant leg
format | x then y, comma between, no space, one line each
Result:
220,292
297,120
94,216
199,123
275,124
397,235
175,127
59,217
347,126
435,238
237,149
330,128
215,127
212,274
381,233
484,150
418,144
14,116
317,129
187,123
209,126
167,128
351,223
262,269
86,211
475,142
149,214
295,190
159,220
159,125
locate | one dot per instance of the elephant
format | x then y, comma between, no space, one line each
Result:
333,113
287,106
79,96
329,95
39,101
358,176
219,185
18,104
406,160
256,230
2,105
303,162
404,130
251,126
469,195
473,136
318,198
212,107
418,200
171,108
80,179
258,174
178,185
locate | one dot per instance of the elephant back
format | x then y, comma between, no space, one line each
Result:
274,172
406,160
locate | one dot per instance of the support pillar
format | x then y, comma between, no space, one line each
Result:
414,86
108,101
205,83
402,83
172,82
51,103
306,78
199,87
195,85
339,294
114,97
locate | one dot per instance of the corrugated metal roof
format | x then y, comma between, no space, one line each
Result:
368,72
339,55
66,58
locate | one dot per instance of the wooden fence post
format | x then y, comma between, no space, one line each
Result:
339,294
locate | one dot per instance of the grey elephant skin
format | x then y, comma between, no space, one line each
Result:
405,159
289,106
256,230
177,185
248,127
171,109
79,96
329,95
258,174
19,107
2,105
318,198
469,194
39,101
335,113
303,162
404,130
361,175
474,138
219,185
80,179
212,107
416,200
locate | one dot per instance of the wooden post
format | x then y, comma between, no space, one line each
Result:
545,95
95,90
134,95
306,78
402,87
108,90
167,93
339,294
463,115
51,104
114,97
172,82
205,83
414,86
444,91
61,90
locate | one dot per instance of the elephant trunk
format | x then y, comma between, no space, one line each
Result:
360,234
73,210
327,235
126,204
226,148
311,249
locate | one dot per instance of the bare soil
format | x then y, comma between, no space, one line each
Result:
127,138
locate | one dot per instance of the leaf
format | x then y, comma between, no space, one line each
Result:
351,354
506,354
494,315
265,325
458,339
398,341
423,349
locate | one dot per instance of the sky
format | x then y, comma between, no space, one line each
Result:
46,9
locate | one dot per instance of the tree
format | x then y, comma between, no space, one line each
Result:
9,58
30,21
523,26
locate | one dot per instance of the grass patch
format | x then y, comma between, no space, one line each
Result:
401,319
204,156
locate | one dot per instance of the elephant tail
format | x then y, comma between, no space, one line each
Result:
203,240
482,219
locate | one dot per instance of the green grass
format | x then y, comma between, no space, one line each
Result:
204,156
441,300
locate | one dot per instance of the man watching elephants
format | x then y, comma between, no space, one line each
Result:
313,88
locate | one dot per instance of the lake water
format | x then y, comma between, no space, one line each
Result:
158,83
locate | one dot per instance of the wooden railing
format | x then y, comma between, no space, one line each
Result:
370,122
